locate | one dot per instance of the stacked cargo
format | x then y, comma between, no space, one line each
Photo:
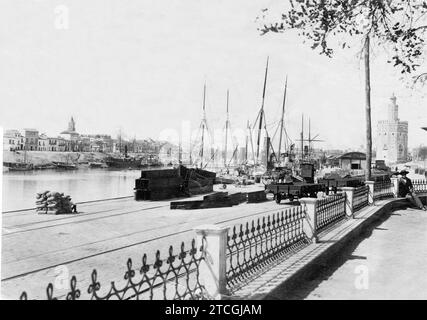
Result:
53,203
257,196
216,200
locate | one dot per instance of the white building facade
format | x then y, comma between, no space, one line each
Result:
13,140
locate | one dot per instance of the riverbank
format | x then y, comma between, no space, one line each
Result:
38,158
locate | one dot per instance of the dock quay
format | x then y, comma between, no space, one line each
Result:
104,233
125,249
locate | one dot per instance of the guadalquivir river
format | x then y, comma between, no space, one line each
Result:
20,187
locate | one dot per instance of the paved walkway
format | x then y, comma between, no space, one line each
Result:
103,235
388,261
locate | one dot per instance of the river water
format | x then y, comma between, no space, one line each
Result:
20,188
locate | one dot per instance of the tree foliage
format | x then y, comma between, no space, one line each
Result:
400,25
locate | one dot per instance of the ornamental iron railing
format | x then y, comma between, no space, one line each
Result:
257,244
420,186
173,278
330,210
383,190
360,198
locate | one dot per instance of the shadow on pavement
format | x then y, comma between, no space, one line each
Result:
323,269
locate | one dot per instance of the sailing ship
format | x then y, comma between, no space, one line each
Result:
280,166
226,174
19,166
167,183
68,165
258,168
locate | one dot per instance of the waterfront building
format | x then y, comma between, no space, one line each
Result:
392,136
31,139
83,144
13,140
352,161
43,143
97,142
61,144
53,144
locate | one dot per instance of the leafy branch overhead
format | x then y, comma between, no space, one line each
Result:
399,24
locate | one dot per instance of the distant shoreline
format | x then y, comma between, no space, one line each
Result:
40,158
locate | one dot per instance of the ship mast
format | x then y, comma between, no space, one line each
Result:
309,137
120,140
281,121
261,112
180,150
310,140
203,124
302,136
246,143
227,124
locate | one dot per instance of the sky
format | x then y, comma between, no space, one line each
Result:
140,66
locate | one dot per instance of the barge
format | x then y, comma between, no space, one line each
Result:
161,184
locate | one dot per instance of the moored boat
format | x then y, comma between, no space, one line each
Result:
65,166
124,162
160,184
44,166
18,166
97,164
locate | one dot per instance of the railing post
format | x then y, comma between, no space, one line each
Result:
349,195
395,182
370,184
213,268
310,221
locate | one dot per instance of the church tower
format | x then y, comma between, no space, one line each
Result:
72,125
392,136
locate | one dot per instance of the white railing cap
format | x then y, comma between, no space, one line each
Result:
211,229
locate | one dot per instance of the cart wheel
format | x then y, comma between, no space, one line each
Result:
278,198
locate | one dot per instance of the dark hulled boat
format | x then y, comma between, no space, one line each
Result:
18,166
65,165
124,162
161,184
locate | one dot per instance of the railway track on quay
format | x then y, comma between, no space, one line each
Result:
129,229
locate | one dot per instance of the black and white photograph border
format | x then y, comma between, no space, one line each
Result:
213,150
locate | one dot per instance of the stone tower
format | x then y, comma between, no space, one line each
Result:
392,136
